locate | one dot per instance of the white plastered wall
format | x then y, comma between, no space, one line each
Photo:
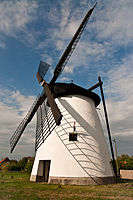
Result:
87,157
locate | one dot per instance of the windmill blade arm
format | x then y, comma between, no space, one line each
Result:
70,48
55,110
39,78
95,86
20,129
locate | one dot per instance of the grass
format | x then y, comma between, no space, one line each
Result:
16,186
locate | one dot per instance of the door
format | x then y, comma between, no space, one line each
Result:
46,169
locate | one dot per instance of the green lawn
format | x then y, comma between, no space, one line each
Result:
16,186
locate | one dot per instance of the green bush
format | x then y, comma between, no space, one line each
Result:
29,165
14,166
125,162
24,164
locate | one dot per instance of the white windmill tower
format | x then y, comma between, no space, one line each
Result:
70,144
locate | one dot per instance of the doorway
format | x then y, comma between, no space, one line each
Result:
46,169
43,170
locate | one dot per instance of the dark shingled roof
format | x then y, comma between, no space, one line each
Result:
4,160
64,89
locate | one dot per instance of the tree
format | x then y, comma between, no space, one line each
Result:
125,161
14,166
22,163
5,166
29,165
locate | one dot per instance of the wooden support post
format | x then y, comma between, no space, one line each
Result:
116,157
108,128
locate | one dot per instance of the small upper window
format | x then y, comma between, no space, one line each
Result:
72,136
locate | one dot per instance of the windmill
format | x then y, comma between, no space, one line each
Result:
64,153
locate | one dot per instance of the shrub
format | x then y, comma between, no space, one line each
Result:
29,165
125,162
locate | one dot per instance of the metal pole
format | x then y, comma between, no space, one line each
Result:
116,157
108,128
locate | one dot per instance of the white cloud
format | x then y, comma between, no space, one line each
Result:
23,102
14,15
120,78
118,89
64,79
2,44
71,28
114,21
13,108
65,13
59,44
69,69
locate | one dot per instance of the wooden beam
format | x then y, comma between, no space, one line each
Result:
108,127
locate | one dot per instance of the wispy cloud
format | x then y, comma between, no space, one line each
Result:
118,89
114,21
2,42
13,108
120,78
15,15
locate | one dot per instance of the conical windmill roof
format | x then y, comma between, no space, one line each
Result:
64,89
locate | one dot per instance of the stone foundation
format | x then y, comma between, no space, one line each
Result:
76,180
81,180
37,178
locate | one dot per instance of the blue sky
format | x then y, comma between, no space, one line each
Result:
34,30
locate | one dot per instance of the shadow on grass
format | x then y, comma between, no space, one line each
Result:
121,180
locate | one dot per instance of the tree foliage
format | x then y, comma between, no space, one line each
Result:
29,165
14,166
125,162
24,164
5,166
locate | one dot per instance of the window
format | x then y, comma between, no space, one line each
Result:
72,136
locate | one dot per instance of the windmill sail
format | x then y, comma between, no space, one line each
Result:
42,70
43,67
40,74
45,124
70,48
17,134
